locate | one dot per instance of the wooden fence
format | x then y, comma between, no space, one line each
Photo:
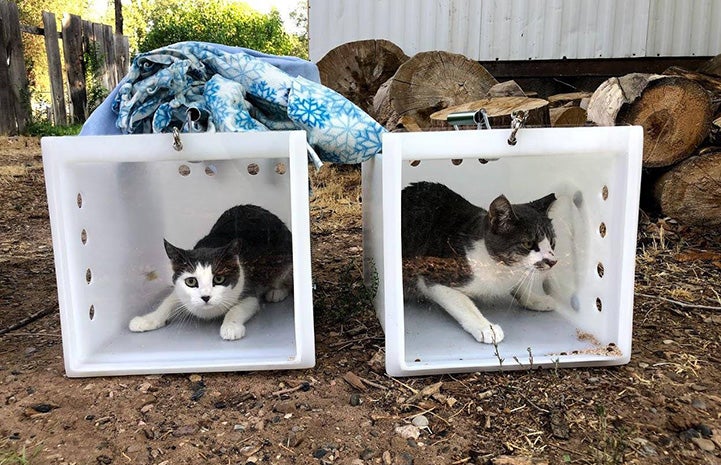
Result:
79,39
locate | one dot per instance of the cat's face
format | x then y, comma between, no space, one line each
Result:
208,281
522,236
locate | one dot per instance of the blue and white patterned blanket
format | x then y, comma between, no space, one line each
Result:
234,91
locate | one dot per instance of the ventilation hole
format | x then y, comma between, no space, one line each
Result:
280,168
184,170
80,200
578,199
604,192
415,162
600,270
211,170
253,169
547,286
599,304
457,161
575,303
602,229
91,312
84,237
574,352
88,276
482,161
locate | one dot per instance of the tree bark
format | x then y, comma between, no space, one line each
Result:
691,191
382,110
433,81
357,69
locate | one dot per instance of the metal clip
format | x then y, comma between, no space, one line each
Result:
518,120
177,144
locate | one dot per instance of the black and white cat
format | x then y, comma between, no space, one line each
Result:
247,255
454,251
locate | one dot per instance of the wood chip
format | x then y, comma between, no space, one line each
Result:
355,381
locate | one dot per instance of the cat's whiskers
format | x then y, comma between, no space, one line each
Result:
526,279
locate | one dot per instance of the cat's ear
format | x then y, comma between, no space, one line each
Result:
544,203
175,254
501,215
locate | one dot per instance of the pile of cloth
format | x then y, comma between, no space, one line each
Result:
203,87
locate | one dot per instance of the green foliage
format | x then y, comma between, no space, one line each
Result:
218,21
44,127
95,90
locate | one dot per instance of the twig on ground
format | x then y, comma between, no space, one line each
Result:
302,385
26,321
678,302
372,383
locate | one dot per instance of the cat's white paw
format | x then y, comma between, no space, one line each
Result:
487,334
232,331
144,323
540,303
276,295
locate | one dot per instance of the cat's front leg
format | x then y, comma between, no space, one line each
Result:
537,302
233,326
157,318
464,311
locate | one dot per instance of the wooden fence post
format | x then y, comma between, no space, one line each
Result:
18,106
55,68
73,51
109,56
122,56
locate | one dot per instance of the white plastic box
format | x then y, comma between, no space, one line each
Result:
112,201
594,172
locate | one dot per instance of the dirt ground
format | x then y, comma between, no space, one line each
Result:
662,408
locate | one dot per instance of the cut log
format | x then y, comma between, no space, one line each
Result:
559,100
499,110
356,70
691,191
506,89
382,110
567,116
433,81
711,83
675,113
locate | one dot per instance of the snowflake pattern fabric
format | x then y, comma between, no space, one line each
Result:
339,130
235,92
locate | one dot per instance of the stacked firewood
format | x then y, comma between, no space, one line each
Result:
679,111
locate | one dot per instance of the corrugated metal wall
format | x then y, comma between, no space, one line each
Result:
523,29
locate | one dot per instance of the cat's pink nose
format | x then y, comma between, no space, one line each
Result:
205,298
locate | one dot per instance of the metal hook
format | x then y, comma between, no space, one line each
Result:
518,120
177,144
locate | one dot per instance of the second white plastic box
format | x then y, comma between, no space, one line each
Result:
594,172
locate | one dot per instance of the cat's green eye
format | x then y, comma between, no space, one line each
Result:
191,282
218,279
528,245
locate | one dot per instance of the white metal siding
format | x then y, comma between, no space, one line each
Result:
522,29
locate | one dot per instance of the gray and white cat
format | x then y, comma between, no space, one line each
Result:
454,251
247,255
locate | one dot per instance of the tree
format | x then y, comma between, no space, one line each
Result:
218,21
